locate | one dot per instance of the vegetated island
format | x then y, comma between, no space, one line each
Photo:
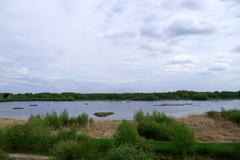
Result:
17,108
103,114
70,96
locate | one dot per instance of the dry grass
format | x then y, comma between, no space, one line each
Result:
211,130
101,129
206,129
6,122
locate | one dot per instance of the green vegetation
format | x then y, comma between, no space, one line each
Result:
232,115
40,136
158,126
128,152
69,96
3,155
63,120
155,126
103,114
126,134
17,108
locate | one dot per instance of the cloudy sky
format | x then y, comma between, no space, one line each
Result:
119,45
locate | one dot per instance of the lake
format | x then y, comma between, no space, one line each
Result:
122,109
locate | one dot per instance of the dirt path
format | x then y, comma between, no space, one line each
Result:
14,156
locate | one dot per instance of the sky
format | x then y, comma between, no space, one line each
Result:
119,45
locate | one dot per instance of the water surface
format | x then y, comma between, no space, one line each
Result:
122,109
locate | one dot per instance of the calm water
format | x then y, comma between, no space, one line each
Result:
122,109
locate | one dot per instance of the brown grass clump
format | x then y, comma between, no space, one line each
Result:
6,122
102,129
212,130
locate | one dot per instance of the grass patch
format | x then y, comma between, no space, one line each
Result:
103,114
231,115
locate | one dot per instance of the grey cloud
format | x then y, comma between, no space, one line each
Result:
119,33
177,28
219,67
188,27
180,59
151,32
190,4
236,49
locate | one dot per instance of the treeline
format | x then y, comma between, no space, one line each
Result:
70,96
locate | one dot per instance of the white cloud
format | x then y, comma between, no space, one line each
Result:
140,45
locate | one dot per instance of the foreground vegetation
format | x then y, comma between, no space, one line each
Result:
69,96
150,137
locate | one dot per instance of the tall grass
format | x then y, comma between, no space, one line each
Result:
231,115
3,155
126,133
62,120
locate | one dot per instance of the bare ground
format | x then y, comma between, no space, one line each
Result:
27,157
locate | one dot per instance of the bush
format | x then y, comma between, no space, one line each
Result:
235,117
52,120
213,114
157,126
75,150
231,115
67,135
154,130
128,152
126,133
154,116
139,116
184,139
34,136
82,120
3,155
55,121
66,150
64,118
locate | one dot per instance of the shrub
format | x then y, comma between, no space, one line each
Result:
231,115
64,118
157,125
66,150
153,130
154,116
55,121
67,135
139,116
184,139
3,155
82,120
126,133
213,114
34,136
159,117
75,150
52,120
127,152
